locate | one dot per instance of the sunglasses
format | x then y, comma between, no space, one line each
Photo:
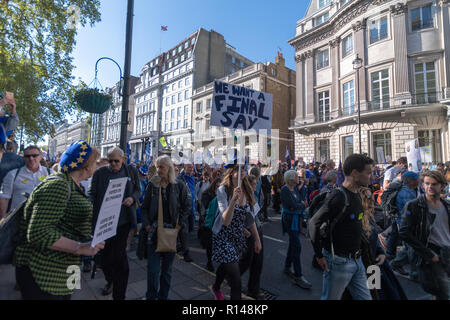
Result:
31,155
113,161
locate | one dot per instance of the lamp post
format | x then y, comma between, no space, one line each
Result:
126,77
357,64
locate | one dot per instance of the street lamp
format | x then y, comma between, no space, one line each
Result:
357,64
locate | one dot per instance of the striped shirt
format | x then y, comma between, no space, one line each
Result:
48,217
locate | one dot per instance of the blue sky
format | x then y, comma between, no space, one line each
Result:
255,28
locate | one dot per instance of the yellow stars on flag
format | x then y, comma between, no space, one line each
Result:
73,165
65,168
83,153
84,147
80,160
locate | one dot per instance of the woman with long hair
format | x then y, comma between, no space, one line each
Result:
235,212
206,221
176,205
373,254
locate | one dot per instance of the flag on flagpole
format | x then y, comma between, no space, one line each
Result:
163,28
128,153
147,150
288,157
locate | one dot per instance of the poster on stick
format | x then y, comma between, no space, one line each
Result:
108,216
413,155
237,107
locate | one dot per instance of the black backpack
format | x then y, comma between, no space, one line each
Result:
10,235
389,199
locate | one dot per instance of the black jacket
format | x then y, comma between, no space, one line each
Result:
99,184
180,203
416,226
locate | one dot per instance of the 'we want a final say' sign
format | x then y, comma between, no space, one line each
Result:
237,107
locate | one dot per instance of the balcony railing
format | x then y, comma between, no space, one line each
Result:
415,100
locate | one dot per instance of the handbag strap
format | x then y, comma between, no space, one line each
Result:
160,214
160,211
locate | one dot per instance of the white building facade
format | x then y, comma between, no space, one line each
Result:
163,106
403,84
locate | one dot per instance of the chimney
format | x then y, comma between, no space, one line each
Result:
279,60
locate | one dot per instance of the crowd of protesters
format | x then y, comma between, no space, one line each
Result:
367,215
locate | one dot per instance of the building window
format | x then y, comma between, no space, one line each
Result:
180,97
425,77
199,107
166,116
380,89
381,140
179,112
173,99
167,101
378,30
207,125
324,3
432,140
242,65
197,130
349,98
173,86
189,54
208,104
185,123
324,106
171,126
323,18
165,126
421,18
323,149
347,146
322,59
233,70
233,60
347,45
187,81
186,110
186,95
172,114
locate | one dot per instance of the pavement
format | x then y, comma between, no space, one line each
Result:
191,281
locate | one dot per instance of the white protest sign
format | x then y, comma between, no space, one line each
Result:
380,155
198,157
425,153
413,155
237,107
108,216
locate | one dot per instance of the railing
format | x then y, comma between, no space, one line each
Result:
392,103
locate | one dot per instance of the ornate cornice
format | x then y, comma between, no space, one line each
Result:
303,56
398,9
328,30
359,25
335,42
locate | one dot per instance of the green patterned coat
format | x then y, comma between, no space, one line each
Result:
48,216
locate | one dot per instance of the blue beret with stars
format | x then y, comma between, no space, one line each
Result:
74,157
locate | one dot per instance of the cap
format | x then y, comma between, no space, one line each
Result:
411,175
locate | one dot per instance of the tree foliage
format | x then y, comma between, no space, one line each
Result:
36,42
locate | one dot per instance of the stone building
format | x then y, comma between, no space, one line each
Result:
163,95
402,85
274,78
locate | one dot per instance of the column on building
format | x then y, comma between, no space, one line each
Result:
300,77
445,18
309,87
335,67
399,25
359,29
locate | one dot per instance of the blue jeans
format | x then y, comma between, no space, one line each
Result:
159,273
293,253
344,273
391,247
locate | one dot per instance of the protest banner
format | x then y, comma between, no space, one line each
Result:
413,155
108,216
237,107
425,153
